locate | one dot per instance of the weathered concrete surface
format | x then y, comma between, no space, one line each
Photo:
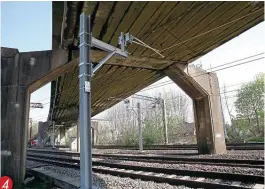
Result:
18,71
203,88
62,135
94,133
15,100
42,134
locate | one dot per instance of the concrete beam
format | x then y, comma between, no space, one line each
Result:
203,88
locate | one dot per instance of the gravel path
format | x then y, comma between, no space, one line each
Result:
195,167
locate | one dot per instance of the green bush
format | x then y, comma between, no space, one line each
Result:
255,139
130,139
152,132
67,141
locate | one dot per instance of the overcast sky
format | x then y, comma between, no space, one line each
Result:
27,26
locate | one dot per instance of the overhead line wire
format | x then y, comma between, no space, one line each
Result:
208,31
220,65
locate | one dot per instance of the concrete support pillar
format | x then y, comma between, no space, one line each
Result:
14,119
19,73
202,87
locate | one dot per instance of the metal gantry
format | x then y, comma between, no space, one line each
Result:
33,105
161,102
85,73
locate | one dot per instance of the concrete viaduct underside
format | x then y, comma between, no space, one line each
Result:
183,31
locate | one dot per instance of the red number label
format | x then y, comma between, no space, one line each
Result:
6,182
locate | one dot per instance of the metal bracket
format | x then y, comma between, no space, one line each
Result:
103,61
109,48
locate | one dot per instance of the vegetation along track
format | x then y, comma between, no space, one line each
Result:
191,178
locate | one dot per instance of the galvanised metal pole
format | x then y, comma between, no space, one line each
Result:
85,72
30,131
164,114
53,135
140,126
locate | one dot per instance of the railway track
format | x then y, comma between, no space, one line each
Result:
190,178
162,159
231,146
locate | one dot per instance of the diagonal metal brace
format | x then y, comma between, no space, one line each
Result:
103,61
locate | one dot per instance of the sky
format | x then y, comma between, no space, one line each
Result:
27,26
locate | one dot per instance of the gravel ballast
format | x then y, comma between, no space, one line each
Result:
33,164
105,181
114,182
195,167
231,154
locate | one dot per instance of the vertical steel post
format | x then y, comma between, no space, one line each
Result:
140,126
30,131
164,114
78,135
53,134
85,72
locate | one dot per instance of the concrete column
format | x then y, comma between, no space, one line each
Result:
202,87
19,73
14,118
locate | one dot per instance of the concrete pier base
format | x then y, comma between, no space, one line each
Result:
203,88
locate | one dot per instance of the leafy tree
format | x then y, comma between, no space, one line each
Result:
250,109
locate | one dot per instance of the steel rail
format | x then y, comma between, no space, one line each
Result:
142,173
74,158
160,157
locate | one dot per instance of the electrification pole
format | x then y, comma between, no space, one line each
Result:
53,135
33,105
161,102
140,126
164,114
30,131
85,73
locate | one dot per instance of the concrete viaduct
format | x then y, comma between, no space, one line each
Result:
183,31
